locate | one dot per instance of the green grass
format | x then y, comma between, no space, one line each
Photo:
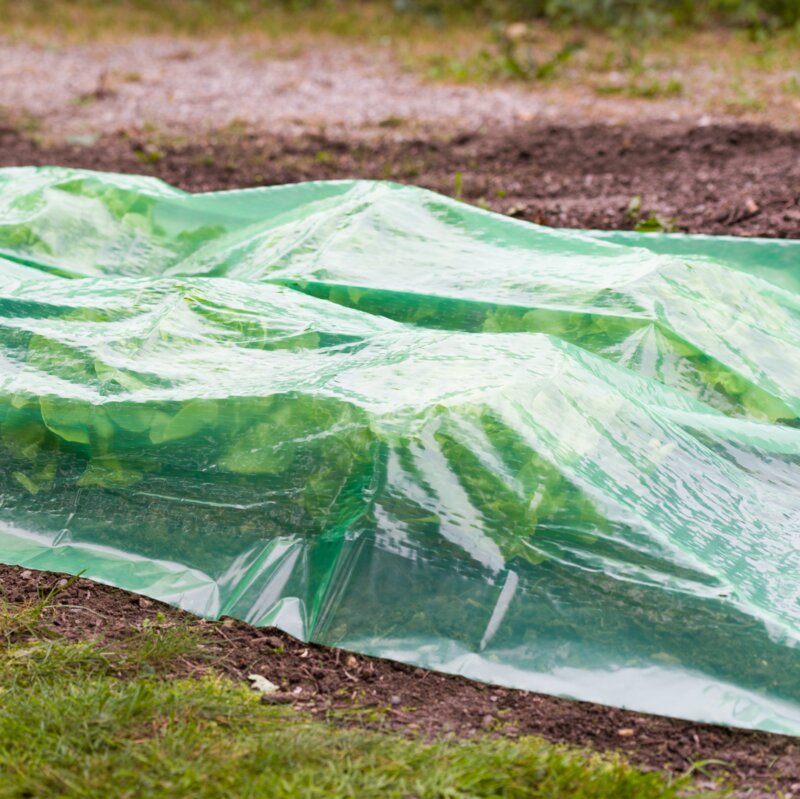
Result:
791,85
344,16
95,19
380,20
88,720
648,90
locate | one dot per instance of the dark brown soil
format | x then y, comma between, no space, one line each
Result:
743,180
322,681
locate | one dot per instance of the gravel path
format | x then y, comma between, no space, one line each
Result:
195,85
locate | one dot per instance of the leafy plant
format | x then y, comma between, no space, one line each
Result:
520,57
656,224
649,222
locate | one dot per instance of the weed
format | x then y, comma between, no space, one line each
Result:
656,224
157,646
22,621
649,222
649,90
149,155
791,85
458,186
743,101
634,209
521,56
514,52
392,122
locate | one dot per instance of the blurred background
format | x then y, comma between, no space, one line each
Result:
649,114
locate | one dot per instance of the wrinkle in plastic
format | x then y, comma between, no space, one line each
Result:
384,420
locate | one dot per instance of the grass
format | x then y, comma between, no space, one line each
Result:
343,17
90,720
92,20
791,85
648,90
743,100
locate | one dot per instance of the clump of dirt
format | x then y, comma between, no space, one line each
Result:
741,180
322,681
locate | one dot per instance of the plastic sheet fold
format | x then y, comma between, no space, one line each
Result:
381,419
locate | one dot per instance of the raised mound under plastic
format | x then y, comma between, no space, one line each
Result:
384,420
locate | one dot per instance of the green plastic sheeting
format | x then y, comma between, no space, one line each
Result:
384,420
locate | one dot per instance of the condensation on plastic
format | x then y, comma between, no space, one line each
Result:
384,420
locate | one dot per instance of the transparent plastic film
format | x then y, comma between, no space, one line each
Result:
381,419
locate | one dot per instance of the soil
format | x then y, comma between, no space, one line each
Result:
322,681
742,180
